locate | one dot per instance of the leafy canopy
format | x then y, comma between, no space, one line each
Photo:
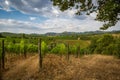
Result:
108,11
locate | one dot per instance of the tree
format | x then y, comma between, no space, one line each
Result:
108,11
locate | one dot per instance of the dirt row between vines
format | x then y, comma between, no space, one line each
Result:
88,67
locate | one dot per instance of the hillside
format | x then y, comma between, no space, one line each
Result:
88,67
65,33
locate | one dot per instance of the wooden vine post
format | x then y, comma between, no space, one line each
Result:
78,51
0,67
39,52
3,55
0,70
24,51
68,52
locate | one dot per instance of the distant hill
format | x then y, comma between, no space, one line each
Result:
65,33
78,33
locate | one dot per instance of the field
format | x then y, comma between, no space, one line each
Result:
87,67
92,57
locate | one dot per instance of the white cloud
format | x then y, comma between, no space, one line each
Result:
51,25
54,25
6,2
36,7
32,18
5,5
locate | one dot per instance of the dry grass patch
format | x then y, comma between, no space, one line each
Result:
88,67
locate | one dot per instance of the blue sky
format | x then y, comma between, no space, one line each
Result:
39,16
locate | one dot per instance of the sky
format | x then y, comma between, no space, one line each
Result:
40,16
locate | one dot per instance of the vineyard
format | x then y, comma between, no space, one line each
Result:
58,54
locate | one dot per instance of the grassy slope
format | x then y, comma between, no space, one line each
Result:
83,44
88,67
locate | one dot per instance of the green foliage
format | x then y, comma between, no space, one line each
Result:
73,49
13,48
85,51
81,51
62,48
1,35
44,47
105,44
16,48
59,49
55,50
23,46
99,43
111,49
10,47
93,44
107,10
31,48
84,37
0,52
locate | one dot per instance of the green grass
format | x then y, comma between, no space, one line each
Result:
82,43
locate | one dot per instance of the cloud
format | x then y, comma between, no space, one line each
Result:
54,25
57,21
36,7
116,27
32,18
51,25
5,5
11,25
